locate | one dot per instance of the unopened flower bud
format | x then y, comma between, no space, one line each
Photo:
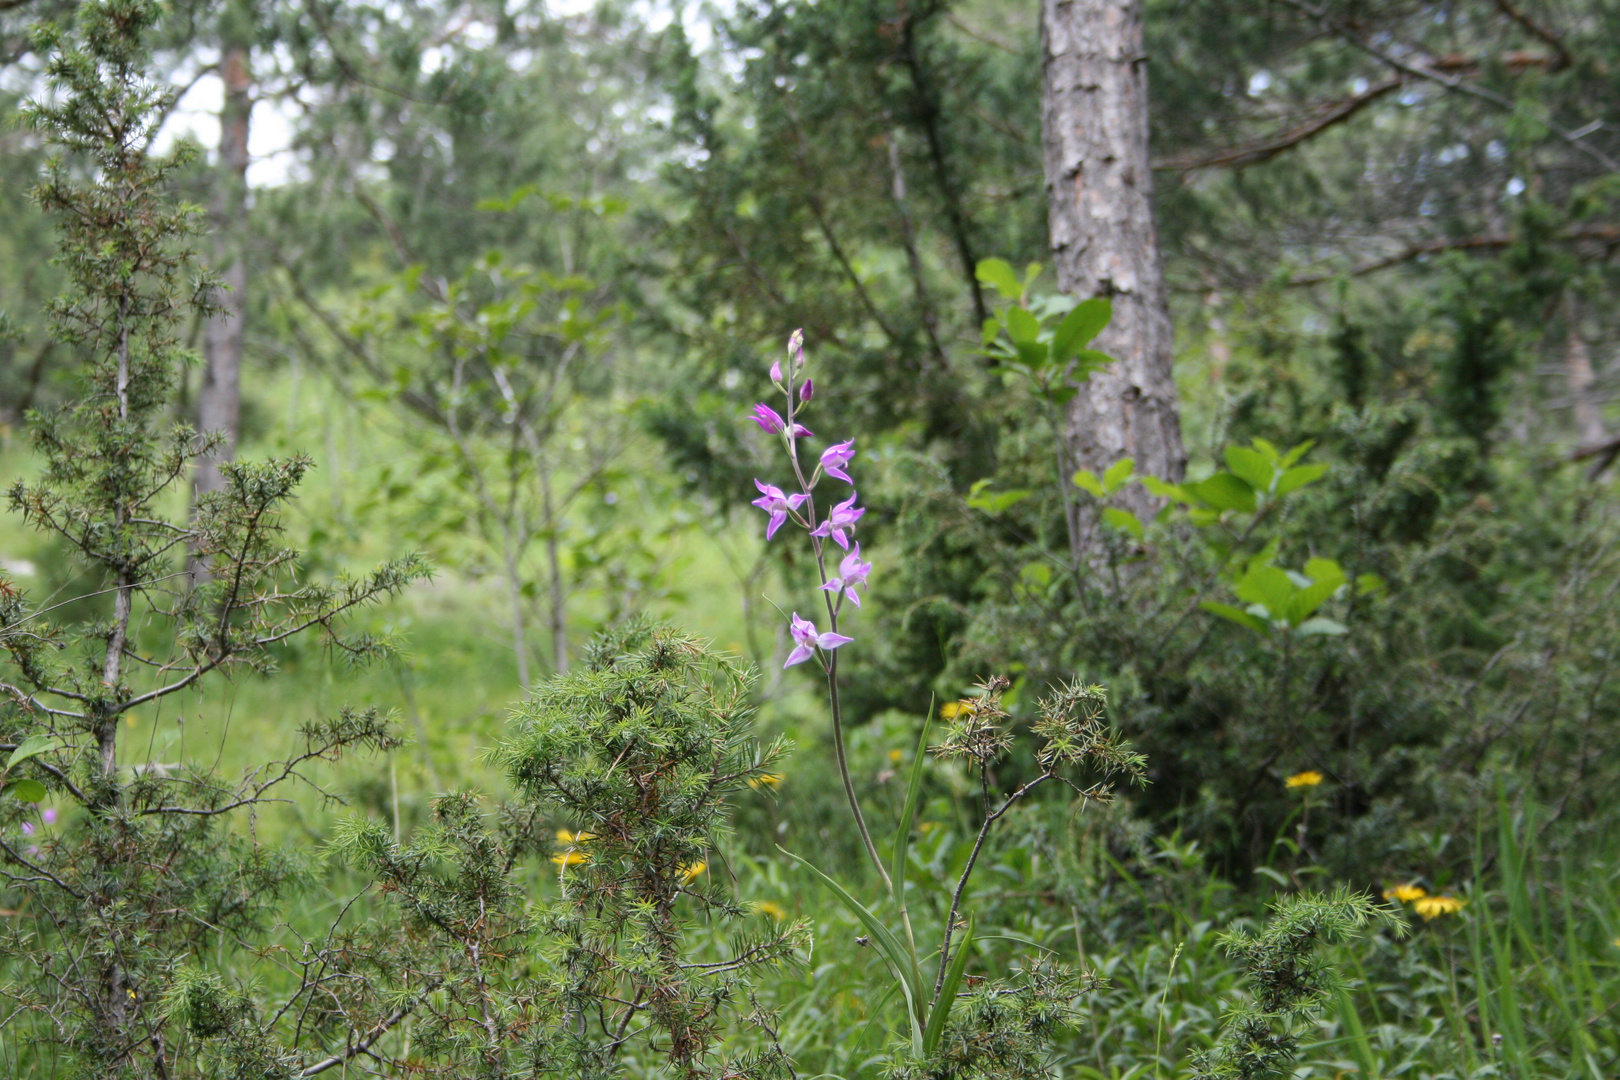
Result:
796,348
807,391
776,373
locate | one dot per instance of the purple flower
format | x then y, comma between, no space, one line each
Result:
776,372
768,419
771,421
49,815
841,521
804,632
28,828
775,502
807,391
835,457
851,574
796,348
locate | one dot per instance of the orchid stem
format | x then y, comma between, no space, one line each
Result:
832,658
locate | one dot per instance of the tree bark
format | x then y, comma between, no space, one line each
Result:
1099,183
219,402
1578,369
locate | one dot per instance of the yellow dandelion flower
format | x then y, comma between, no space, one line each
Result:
565,859
775,911
1405,894
772,780
1431,907
692,871
1308,778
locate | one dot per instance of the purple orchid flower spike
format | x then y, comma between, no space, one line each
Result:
768,419
851,575
777,503
835,457
841,521
796,348
804,632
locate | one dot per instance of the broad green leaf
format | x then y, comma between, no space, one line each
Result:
1225,491
990,331
32,746
1298,477
1022,327
1367,584
1079,327
1088,361
1308,599
1117,474
1124,521
1266,447
996,502
1322,571
1164,489
26,790
1242,618
1086,480
1062,395
1252,466
1031,272
1037,574
1033,353
1267,586
887,944
998,274
941,1010
1296,452
1319,625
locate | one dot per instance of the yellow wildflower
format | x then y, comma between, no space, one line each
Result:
1431,906
927,826
952,709
566,859
566,837
1405,894
775,911
692,871
895,756
772,780
1308,778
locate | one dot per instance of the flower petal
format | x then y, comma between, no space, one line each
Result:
798,656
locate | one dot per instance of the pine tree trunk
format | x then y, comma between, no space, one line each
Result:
219,402
1099,182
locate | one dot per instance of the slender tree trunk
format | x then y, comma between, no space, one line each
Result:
1578,369
1099,183
219,402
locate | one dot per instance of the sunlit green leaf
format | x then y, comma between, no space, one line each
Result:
999,275
1117,474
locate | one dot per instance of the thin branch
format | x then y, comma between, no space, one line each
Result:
1540,32
1605,234
1326,116
363,1045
